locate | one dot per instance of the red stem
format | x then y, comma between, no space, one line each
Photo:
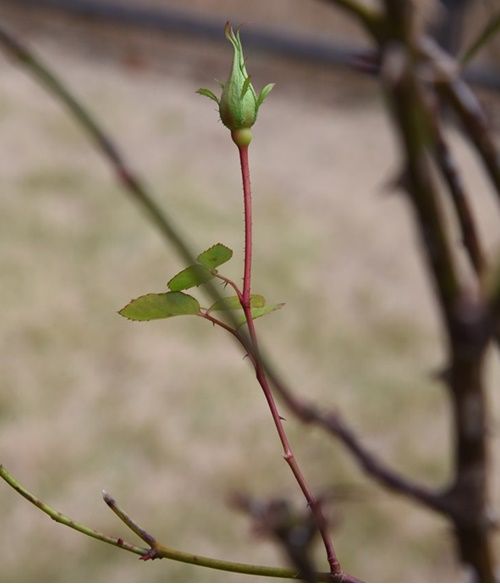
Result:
247,203
289,456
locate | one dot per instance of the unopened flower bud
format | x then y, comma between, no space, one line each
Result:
239,103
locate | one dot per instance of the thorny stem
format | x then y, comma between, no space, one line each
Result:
132,184
233,285
155,549
129,180
247,203
261,375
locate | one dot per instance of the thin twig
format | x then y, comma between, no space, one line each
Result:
332,423
144,535
231,283
368,17
161,551
456,187
464,103
126,176
289,455
64,519
491,28
128,179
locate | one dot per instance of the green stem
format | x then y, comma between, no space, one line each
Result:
161,551
64,520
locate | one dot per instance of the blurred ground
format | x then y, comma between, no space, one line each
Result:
166,415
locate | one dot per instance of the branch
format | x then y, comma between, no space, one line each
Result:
140,194
464,314
228,282
464,103
64,520
25,57
160,550
368,17
456,188
484,37
127,178
332,423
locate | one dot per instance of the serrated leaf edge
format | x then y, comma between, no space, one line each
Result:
120,312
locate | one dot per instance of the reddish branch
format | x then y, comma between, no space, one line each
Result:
289,456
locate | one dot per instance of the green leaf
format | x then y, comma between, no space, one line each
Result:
194,275
215,256
486,35
207,93
264,92
261,311
233,303
163,305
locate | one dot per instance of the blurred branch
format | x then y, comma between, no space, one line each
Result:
368,17
464,314
491,28
333,424
160,550
139,192
456,187
294,532
124,173
461,99
127,178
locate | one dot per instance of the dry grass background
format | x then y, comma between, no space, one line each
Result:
166,415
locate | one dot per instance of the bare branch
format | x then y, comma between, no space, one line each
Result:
160,550
464,103
464,314
369,18
456,187
333,424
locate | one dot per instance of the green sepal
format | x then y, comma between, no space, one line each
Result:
191,276
163,305
245,87
264,92
233,303
207,93
215,256
238,103
260,311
